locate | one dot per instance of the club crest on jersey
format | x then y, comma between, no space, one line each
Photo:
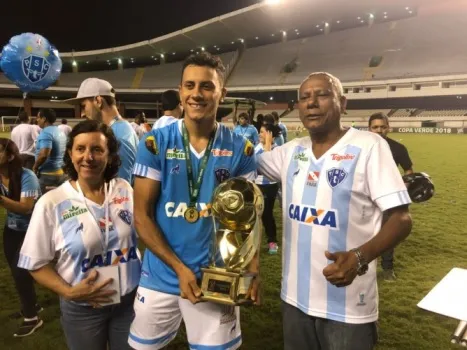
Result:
312,178
249,149
175,170
222,174
174,153
126,216
151,145
313,216
73,211
336,176
35,68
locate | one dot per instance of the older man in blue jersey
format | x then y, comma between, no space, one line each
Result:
177,169
97,100
336,184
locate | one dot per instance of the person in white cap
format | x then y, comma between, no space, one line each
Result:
97,100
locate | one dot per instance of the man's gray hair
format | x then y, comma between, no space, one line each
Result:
334,81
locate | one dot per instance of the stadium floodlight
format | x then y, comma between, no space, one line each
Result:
407,8
284,33
326,24
271,98
385,17
257,38
241,40
120,61
385,13
74,64
371,15
162,55
233,42
410,12
202,48
273,2
338,22
359,18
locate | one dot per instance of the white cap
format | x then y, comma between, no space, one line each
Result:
92,87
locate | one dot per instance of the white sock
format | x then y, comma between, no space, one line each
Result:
31,319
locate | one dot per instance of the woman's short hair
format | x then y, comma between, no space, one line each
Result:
88,126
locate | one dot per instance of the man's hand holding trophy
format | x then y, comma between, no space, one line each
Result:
232,277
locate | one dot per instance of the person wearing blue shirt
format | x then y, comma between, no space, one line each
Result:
97,100
50,149
246,130
177,169
19,190
281,125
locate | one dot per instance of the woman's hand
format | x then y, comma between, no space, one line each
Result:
88,291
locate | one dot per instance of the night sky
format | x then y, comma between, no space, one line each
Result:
88,25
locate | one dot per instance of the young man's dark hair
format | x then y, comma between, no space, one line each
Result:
170,99
276,116
205,59
49,115
64,121
23,117
378,116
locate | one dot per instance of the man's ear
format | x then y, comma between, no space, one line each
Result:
343,100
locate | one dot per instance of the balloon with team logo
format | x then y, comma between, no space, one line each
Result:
31,62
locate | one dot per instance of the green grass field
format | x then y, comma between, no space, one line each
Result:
435,246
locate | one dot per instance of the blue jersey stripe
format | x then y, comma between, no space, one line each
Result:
287,250
337,242
73,242
305,233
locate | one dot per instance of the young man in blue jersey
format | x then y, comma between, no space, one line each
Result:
336,184
246,130
177,169
97,100
50,149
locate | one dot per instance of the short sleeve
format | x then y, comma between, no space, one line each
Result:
39,244
271,163
148,157
44,140
30,185
247,164
385,184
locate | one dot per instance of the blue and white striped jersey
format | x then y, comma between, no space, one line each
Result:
333,203
66,226
161,157
261,179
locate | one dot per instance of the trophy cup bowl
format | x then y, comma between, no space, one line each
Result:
236,206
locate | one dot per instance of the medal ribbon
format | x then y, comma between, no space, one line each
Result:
195,187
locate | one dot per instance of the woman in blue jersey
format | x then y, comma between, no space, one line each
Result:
87,225
19,190
267,134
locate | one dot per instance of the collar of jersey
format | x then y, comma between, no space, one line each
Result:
199,155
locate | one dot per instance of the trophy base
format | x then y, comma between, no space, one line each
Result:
225,287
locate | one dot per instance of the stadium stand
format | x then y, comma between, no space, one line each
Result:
161,76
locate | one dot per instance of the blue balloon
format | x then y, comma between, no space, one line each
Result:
31,62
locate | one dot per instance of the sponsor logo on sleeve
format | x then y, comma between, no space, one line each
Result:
151,145
249,149
216,152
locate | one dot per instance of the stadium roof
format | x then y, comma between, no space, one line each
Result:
256,22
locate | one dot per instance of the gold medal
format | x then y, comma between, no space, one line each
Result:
191,215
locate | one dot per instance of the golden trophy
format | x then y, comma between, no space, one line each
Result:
237,206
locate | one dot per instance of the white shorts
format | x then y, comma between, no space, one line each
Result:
158,317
